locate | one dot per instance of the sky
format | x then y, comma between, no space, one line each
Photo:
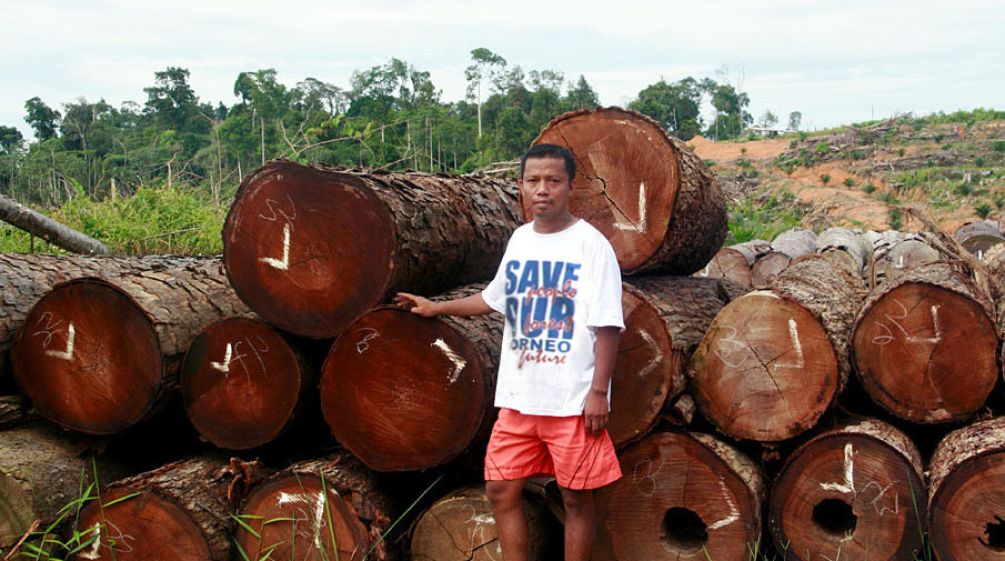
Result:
835,62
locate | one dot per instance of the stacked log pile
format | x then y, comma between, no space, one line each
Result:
823,369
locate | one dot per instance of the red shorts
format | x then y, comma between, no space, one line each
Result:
525,446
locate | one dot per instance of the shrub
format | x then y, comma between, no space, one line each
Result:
857,154
825,178
709,163
1000,202
964,189
979,162
849,182
982,210
869,188
998,145
896,218
821,148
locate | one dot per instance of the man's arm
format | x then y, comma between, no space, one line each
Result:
473,305
597,412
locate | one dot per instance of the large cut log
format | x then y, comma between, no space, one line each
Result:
773,361
38,224
980,236
684,497
787,246
310,249
904,255
665,318
26,278
728,264
460,527
185,508
925,344
853,492
966,494
244,384
994,261
654,199
41,472
842,243
318,510
97,356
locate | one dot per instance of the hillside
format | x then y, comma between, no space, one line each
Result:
951,166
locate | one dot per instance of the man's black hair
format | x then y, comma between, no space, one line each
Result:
550,151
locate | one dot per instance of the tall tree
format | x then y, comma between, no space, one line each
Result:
795,119
171,99
41,118
730,106
10,139
486,65
580,95
676,106
768,119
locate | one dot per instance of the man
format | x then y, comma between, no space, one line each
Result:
559,287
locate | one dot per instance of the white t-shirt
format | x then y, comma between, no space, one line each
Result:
555,290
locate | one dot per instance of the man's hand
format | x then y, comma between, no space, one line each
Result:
596,414
417,304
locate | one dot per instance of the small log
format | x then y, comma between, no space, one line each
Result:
404,393
904,255
56,233
98,356
460,527
842,243
183,507
773,361
752,250
42,472
310,249
925,344
322,509
646,191
784,248
965,519
728,264
980,236
684,496
767,268
244,384
795,242
854,492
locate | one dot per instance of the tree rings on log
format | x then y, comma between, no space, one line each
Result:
728,264
317,511
404,392
242,382
647,192
925,345
767,268
461,527
684,496
765,369
966,508
311,249
854,492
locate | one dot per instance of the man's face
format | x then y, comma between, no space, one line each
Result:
547,186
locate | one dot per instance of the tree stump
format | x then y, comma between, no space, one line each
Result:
728,264
310,249
787,246
183,507
853,492
316,511
684,496
773,361
404,393
842,243
646,191
97,356
665,318
980,236
925,344
460,527
244,384
965,516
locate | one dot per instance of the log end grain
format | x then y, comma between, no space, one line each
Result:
767,268
728,264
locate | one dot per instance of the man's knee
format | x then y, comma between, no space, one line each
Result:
505,494
577,501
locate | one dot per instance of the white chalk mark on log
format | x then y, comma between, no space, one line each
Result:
227,357
888,336
729,345
881,492
734,513
456,359
317,502
796,346
656,351
900,262
849,473
980,255
284,263
623,223
935,327
649,477
67,353
92,552
363,344
704,272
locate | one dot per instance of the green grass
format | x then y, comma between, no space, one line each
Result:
750,219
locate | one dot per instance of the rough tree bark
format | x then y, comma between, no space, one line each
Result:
318,510
853,492
925,344
967,472
980,236
183,507
460,527
310,249
773,361
787,246
59,235
649,194
244,384
683,497
96,356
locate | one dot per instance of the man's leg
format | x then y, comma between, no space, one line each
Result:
511,526
580,523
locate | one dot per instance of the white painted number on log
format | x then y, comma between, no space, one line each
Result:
848,486
881,492
50,326
657,354
900,262
729,345
645,479
289,214
796,346
225,365
317,502
284,263
888,334
704,272
456,359
734,513
622,222
66,353
363,344
117,541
